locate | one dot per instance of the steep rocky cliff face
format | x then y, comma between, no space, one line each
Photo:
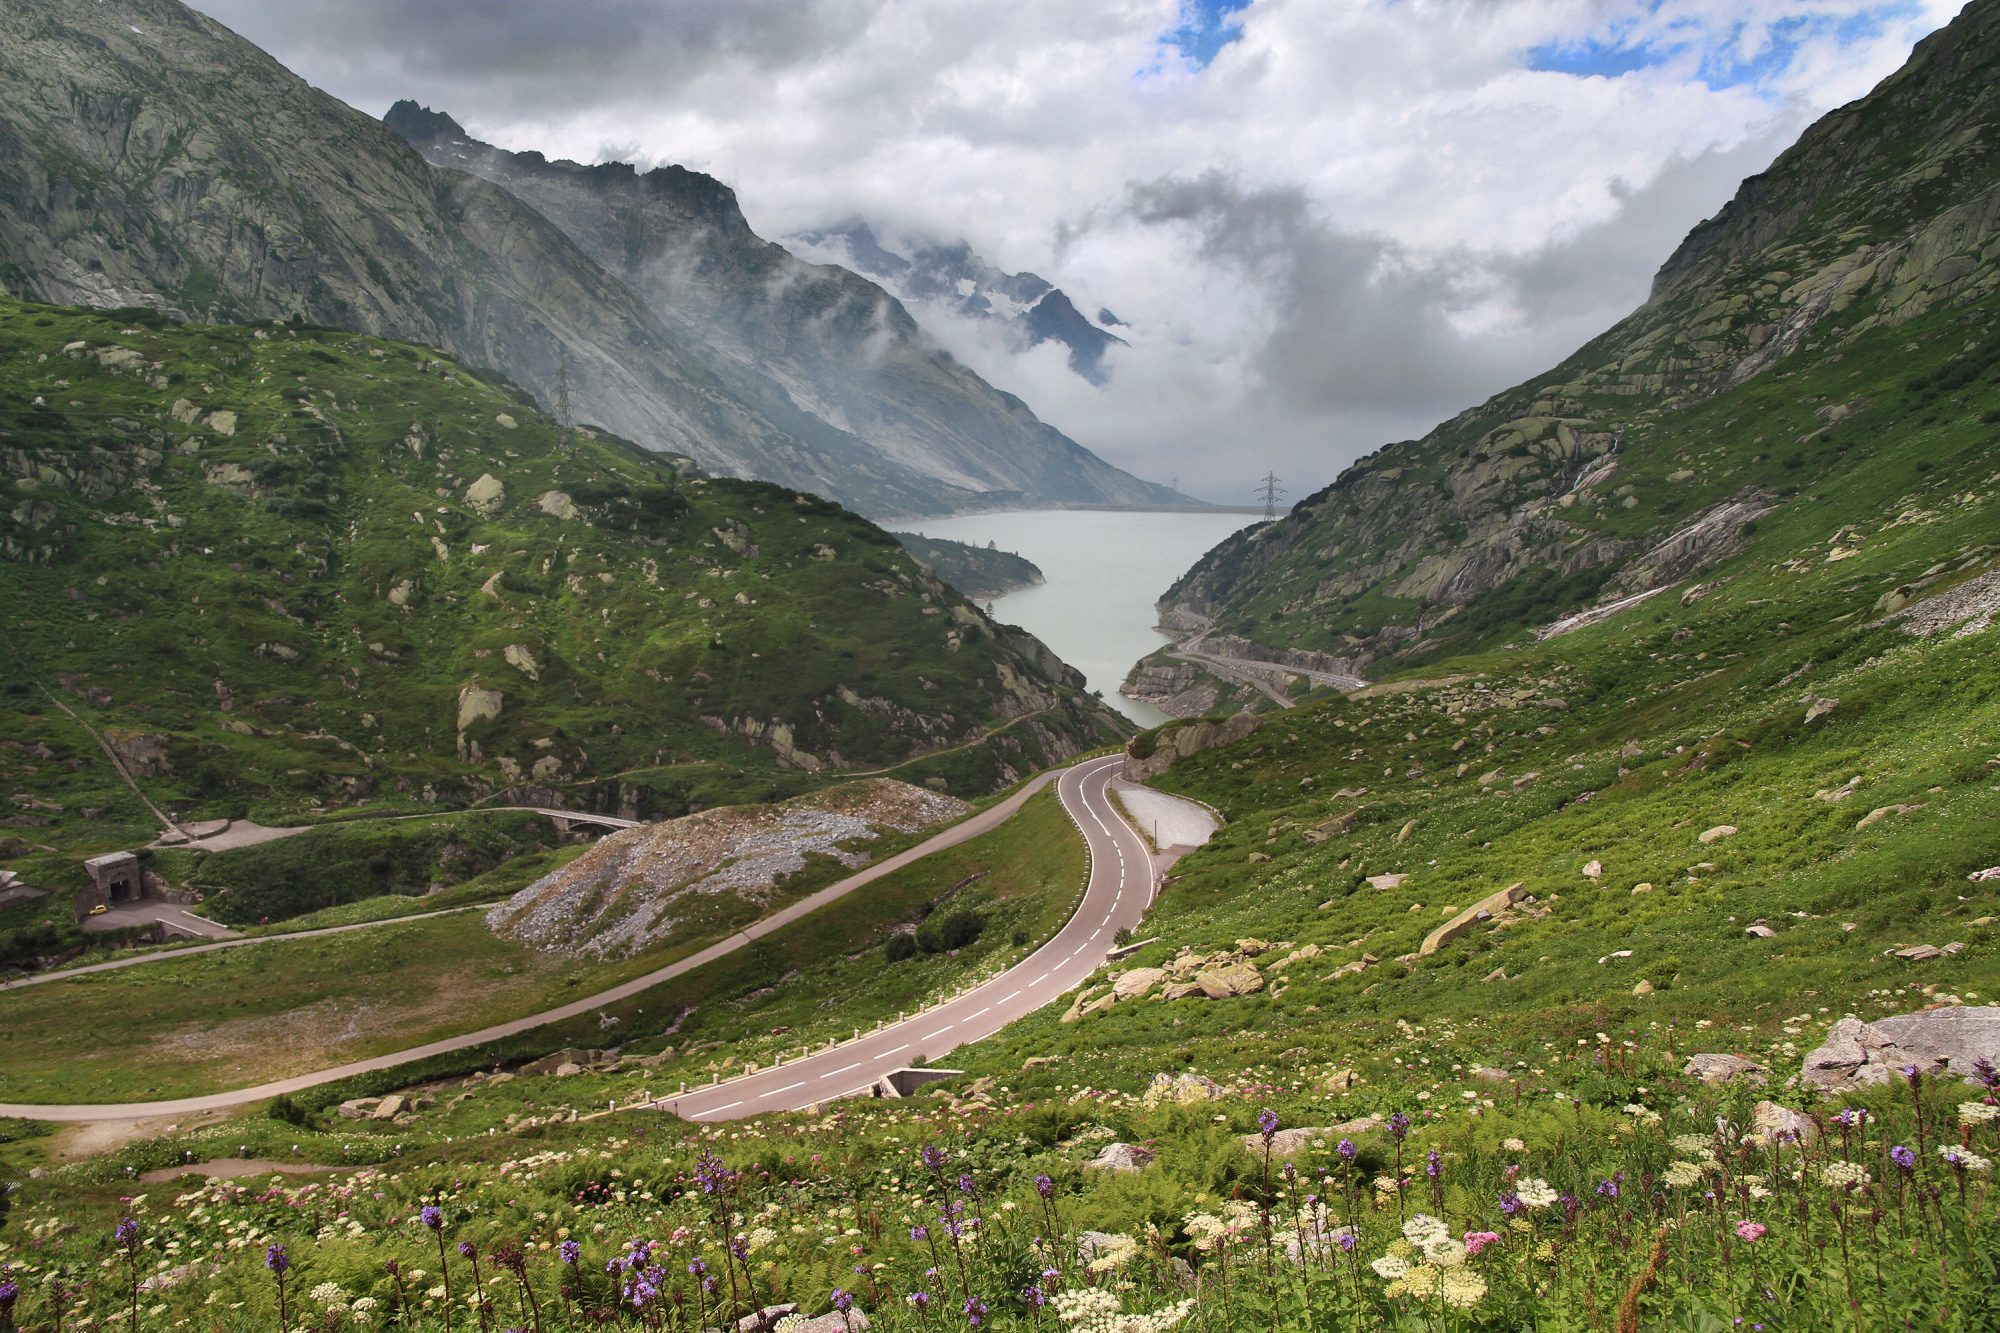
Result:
1652,454
156,159
797,340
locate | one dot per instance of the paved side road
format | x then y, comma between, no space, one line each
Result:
1118,894
1093,813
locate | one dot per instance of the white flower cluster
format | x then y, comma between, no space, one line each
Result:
1535,1193
1963,1160
1977,1113
1095,1310
1840,1175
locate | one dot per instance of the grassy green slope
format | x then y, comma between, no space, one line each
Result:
261,563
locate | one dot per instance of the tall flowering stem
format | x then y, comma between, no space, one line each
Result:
127,1236
279,1260
432,1218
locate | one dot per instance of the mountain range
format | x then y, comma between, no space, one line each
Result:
158,159
952,279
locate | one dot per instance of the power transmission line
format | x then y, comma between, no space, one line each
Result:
1269,490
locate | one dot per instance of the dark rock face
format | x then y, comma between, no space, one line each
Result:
815,347
156,159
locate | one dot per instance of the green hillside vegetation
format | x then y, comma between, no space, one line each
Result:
288,573
240,1016
976,571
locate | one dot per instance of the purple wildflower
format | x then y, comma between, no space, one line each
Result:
466,1250
843,1300
571,1252
127,1234
277,1258
975,1311
431,1217
920,1233
1608,1189
1035,1297
919,1300
1510,1202
1267,1123
965,1184
933,1156
1347,1149
1399,1126
1045,1187
1433,1164
1903,1158
1347,1240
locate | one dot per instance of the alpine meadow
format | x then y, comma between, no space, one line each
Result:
507,828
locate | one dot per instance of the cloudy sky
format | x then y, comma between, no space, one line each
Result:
1330,223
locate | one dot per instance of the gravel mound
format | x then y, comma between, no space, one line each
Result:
637,888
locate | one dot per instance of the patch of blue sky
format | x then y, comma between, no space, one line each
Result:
1205,27
1635,46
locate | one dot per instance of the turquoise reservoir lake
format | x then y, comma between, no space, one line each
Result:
1105,570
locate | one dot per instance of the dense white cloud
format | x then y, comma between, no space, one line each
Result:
1356,218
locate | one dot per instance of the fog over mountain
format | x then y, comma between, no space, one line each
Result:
1315,245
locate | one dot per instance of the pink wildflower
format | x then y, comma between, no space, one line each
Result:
1751,1231
1475,1241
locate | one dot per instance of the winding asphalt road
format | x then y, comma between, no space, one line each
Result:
1119,891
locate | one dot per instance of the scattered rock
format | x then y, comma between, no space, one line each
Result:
1841,793
1490,1074
1761,931
1643,988
1289,1142
486,495
388,1108
1936,1041
1223,983
1593,870
1919,953
1131,985
1386,881
1182,1089
1483,910
1121,1157
1985,876
522,659
1718,1068
1819,708
1497,974
1718,832
1642,888
1781,1124
1882,812
557,505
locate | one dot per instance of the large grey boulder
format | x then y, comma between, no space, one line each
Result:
1722,1068
1121,1157
1937,1042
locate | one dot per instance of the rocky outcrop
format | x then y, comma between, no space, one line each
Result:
1936,1043
1178,742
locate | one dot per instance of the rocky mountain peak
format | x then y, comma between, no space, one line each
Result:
413,121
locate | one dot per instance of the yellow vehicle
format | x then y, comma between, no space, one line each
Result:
100,909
